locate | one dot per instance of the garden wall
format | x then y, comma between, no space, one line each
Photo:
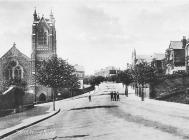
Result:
173,89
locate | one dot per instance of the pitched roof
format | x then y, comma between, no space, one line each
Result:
159,56
14,51
175,45
79,68
146,58
149,58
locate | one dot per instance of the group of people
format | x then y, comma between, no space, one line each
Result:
114,96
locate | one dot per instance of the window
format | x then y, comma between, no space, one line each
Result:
42,37
9,73
45,38
18,73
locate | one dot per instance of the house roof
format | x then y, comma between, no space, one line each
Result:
146,58
79,68
175,45
159,56
149,58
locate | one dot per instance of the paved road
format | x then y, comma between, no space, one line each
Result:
103,119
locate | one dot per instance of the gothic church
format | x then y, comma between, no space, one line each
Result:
14,64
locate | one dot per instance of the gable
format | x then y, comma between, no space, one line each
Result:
14,52
175,45
43,23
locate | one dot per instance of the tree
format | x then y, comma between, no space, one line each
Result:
125,77
56,73
143,73
113,78
73,83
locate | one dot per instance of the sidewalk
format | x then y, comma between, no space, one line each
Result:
12,123
161,103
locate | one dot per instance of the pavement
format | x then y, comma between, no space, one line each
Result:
12,123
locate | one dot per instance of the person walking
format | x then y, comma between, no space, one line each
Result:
89,98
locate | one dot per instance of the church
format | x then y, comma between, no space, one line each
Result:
14,64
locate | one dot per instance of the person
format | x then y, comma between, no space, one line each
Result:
118,99
115,96
111,94
89,98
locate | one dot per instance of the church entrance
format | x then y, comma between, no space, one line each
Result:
42,97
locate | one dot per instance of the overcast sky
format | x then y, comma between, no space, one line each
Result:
97,33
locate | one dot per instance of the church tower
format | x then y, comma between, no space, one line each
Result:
43,43
43,37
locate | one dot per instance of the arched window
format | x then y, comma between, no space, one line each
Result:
45,38
18,72
9,73
42,37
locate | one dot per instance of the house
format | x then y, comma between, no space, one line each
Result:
175,57
158,62
107,71
80,73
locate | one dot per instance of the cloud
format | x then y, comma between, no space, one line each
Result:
97,27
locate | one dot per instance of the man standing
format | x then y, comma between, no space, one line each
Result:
89,98
111,94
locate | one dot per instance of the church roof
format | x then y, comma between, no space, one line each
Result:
147,58
13,51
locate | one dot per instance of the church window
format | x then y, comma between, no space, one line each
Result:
42,37
18,73
45,38
9,73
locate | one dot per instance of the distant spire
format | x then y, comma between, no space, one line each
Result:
134,52
35,15
51,15
14,44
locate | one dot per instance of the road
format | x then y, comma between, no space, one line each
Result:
103,119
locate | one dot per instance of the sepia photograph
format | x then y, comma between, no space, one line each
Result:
94,70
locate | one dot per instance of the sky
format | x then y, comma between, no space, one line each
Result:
97,33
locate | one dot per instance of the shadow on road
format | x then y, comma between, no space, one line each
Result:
74,136
94,107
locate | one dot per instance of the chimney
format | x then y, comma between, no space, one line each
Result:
184,41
